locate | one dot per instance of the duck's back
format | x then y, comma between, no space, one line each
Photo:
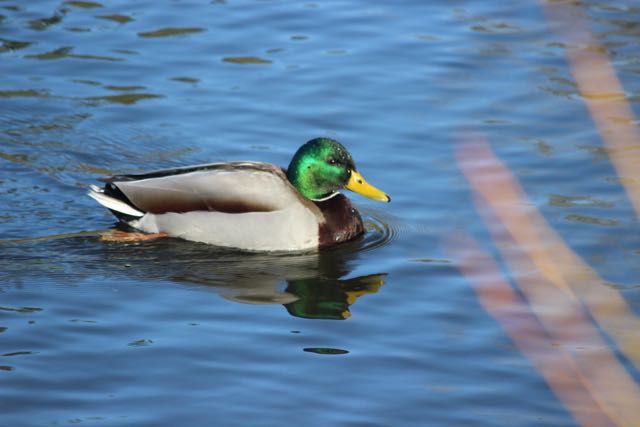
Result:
236,187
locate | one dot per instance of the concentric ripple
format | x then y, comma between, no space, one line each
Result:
381,230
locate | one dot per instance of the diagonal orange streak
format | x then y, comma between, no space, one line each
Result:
549,254
500,300
555,282
602,92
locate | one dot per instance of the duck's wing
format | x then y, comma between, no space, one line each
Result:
220,166
236,187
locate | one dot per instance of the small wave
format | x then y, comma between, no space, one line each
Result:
381,229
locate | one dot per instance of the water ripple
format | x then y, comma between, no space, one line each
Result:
381,231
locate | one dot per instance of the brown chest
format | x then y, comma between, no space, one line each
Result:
342,221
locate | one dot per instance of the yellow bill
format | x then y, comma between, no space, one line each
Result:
359,185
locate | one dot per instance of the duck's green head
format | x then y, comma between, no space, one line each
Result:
322,166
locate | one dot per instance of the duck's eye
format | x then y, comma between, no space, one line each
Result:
332,161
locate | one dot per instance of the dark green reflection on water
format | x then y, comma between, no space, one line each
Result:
185,79
44,23
8,45
26,93
65,52
84,4
592,220
170,32
330,298
246,60
325,350
125,99
121,19
577,201
21,309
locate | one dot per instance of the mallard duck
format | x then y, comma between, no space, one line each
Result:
247,205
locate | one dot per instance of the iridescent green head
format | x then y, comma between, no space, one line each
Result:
322,166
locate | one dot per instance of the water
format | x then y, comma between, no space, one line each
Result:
381,331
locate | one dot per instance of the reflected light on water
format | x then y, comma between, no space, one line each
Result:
551,323
602,92
504,304
557,285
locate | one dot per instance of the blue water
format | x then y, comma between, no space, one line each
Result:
379,332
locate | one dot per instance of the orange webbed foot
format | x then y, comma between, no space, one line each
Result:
128,236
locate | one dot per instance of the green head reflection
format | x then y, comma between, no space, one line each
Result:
330,299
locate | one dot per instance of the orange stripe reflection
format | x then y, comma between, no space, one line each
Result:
503,303
555,281
555,261
554,326
602,92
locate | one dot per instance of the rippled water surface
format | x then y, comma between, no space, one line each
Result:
383,331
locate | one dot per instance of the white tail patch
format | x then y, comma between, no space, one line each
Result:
98,195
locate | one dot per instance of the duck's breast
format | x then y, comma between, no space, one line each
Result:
341,221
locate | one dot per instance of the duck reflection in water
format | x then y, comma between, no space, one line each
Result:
309,285
330,298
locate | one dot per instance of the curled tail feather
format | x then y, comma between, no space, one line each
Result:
98,194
